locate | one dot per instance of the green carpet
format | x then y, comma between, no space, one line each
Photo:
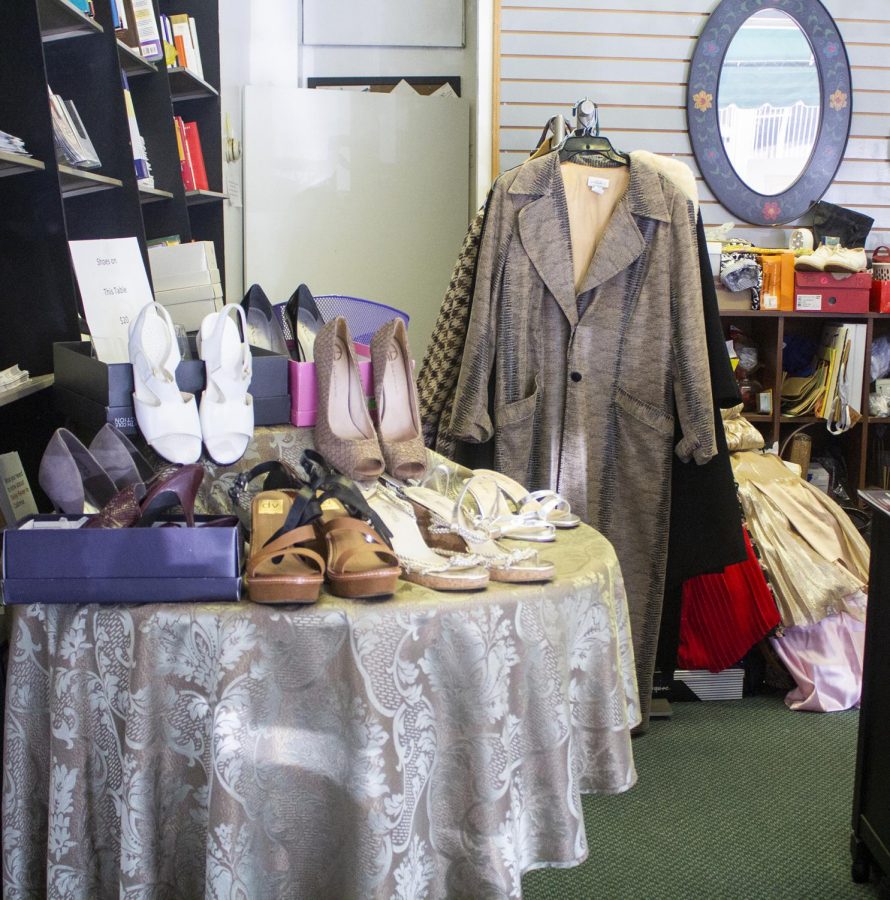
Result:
739,800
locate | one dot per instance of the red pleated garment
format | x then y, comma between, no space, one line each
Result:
725,615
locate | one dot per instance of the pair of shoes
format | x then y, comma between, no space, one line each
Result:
344,432
397,521
317,533
833,259
263,327
140,505
170,419
506,506
112,481
80,479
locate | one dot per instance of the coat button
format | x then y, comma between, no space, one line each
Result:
576,376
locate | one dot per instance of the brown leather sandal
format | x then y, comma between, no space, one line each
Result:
282,567
360,565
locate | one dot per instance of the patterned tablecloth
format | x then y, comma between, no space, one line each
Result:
426,746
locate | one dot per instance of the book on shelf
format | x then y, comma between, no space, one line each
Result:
16,499
138,28
73,144
84,6
168,42
196,155
140,155
185,39
191,156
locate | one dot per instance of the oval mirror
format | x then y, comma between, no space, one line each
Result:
769,105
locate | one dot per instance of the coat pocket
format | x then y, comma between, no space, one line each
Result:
513,435
645,412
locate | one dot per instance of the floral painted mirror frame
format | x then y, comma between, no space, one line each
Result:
835,91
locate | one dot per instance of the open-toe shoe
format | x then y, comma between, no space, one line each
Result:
545,504
344,432
167,417
442,571
284,565
448,525
398,413
361,563
226,406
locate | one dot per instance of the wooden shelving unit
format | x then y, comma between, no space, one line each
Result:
60,20
193,198
132,63
16,164
40,383
768,328
52,44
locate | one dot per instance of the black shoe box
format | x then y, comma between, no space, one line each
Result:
92,393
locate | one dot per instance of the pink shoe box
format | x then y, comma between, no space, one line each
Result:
304,387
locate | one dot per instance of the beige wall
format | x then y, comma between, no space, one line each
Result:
632,57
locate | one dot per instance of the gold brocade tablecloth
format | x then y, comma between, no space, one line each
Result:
427,746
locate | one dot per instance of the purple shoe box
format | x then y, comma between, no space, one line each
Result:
92,392
121,565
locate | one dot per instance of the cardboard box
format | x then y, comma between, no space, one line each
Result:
92,393
833,292
732,301
121,565
304,387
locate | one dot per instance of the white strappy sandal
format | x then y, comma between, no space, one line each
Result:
545,504
226,407
167,417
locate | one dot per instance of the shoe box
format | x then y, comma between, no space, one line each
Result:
834,292
92,393
48,559
186,281
304,387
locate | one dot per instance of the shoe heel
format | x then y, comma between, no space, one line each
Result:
178,489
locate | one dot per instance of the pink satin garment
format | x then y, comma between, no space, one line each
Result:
825,659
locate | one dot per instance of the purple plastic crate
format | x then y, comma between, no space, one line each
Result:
364,317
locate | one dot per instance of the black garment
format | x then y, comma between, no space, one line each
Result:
705,523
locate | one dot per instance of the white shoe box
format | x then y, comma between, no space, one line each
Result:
188,306
179,259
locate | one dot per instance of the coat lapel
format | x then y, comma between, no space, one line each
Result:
543,226
541,230
619,247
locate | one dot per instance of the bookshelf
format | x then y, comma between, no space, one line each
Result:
858,446
44,204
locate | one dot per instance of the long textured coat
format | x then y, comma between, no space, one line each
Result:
584,384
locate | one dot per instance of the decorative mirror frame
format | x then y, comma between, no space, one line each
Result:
836,109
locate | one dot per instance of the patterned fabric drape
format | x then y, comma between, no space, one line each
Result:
424,747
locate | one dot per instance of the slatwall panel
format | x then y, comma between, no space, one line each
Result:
632,57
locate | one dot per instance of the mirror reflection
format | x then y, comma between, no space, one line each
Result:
768,102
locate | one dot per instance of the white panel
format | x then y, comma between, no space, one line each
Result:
593,69
680,6
355,193
384,23
597,22
603,47
869,79
622,95
861,9
519,139
611,118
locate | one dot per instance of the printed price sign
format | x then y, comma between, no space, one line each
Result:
114,287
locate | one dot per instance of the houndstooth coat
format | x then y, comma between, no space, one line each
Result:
584,385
